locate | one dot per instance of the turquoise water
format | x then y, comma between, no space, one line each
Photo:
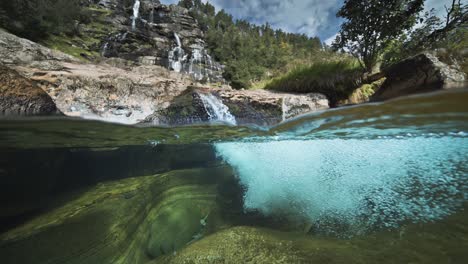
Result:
349,173
362,183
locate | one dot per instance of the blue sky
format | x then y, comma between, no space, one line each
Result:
311,17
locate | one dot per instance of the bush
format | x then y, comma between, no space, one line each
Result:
335,79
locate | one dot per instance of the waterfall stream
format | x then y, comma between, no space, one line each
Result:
176,56
136,11
217,111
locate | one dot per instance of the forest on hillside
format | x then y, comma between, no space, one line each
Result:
250,52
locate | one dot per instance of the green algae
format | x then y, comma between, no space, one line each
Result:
112,222
440,242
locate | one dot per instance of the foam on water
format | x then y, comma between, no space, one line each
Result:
360,183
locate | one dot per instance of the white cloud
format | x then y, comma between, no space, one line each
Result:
311,17
330,40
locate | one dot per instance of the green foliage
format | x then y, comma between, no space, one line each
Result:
250,52
448,39
371,24
35,19
336,79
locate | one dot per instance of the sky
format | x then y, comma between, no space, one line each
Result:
311,17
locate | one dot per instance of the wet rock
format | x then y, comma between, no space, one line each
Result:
268,108
259,107
173,228
414,243
116,221
20,96
418,74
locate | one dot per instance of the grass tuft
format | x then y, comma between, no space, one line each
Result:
335,79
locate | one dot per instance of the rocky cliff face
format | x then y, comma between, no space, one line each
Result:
151,33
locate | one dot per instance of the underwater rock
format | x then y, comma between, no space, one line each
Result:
429,243
418,74
112,222
174,227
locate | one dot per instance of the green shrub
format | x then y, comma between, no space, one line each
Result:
335,79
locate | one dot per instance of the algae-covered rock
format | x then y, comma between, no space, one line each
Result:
174,227
120,221
440,242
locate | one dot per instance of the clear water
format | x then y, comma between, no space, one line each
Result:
389,177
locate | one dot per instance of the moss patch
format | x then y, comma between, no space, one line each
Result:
87,44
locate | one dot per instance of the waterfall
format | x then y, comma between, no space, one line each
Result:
197,56
151,17
179,44
176,56
136,11
104,49
217,111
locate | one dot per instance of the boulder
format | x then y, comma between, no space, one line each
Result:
122,221
21,96
418,74
415,243
257,107
265,107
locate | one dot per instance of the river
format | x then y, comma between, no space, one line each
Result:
380,182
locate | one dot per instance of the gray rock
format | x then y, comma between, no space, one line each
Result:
259,107
20,96
418,74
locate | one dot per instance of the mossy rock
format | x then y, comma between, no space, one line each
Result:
174,227
125,221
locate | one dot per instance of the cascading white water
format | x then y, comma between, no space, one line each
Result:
136,12
104,49
151,17
217,111
197,56
179,44
199,65
176,55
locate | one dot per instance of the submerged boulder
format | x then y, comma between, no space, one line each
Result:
418,74
131,220
174,227
439,242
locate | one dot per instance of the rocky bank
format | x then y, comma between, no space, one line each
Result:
123,91
146,62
